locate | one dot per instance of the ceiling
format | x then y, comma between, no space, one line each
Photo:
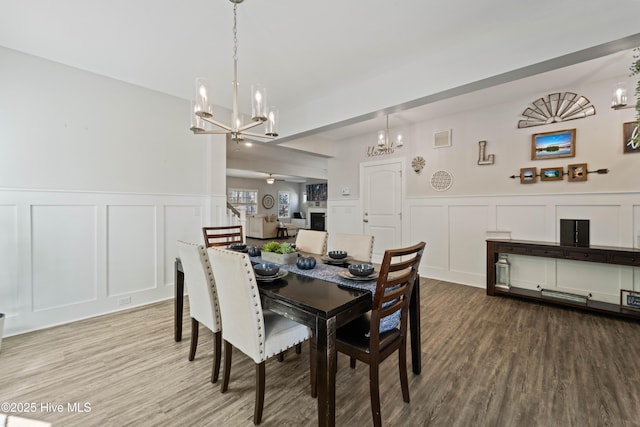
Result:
334,68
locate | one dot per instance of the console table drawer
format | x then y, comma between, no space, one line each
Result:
547,252
626,259
587,256
508,249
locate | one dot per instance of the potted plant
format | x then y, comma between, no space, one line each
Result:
280,253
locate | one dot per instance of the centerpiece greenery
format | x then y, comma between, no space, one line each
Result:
280,253
279,248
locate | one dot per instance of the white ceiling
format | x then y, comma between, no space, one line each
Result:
332,66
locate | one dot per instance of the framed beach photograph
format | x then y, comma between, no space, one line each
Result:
552,145
630,132
528,175
577,172
552,174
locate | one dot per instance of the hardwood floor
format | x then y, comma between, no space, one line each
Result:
487,361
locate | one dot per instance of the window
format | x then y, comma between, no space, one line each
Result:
246,198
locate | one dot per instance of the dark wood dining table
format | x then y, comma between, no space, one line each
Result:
323,306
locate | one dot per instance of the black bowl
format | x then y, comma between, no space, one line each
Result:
361,270
337,254
266,269
237,246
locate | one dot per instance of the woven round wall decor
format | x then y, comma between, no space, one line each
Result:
441,180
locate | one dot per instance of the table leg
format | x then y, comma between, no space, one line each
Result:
179,300
326,375
414,325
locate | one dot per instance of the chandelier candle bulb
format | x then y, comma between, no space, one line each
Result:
272,122
202,107
259,107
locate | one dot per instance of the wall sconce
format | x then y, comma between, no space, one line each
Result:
619,98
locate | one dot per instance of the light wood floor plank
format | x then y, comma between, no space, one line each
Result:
487,361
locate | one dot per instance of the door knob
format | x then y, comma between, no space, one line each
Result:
365,220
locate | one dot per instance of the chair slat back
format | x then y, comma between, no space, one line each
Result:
223,235
398,272
203,299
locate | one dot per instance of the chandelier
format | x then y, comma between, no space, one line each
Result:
202,111
385,142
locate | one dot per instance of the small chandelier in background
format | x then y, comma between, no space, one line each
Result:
270,180
384,140
619,98
202,108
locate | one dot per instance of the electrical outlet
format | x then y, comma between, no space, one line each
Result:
196,211
124,301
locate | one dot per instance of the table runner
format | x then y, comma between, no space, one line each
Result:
330,274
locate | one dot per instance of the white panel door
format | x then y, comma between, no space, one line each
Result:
382,205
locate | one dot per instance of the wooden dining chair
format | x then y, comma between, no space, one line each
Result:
312,241
362,338
258,334
203,300
223,235
358,246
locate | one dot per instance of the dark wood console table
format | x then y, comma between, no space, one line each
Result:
600,254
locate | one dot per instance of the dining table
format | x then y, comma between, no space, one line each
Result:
323,299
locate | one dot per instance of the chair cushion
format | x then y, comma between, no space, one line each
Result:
355,334
282,333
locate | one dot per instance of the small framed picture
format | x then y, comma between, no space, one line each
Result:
442,139
577,172
528,175
630,299
631,142
552,145
552,174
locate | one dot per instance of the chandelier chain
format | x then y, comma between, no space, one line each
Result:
235,32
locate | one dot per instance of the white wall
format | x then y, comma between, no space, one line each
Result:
98,179
454,222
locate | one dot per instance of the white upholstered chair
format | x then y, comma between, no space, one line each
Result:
203,301
359,246
312,241
258,334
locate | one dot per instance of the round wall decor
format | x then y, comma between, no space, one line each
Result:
418,164
268,201
441,180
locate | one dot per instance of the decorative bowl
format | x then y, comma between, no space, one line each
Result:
361,270
266,269
337,254
237,246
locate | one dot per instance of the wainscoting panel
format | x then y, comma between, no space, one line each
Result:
72,255
131,249
180,223
526,222
466,238
430,224
344,216
604,221
9,253
456,248
64,256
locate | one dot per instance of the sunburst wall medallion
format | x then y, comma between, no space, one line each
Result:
557,107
